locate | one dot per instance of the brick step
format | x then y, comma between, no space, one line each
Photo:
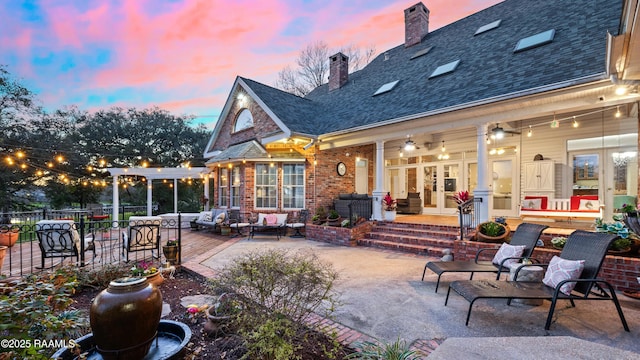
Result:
429,241
400,225
451,234
408,248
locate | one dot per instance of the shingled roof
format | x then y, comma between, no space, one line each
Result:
488,69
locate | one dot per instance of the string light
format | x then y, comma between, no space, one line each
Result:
618,113
575,123
530,132
443,149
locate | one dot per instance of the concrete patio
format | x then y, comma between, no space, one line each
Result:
385,299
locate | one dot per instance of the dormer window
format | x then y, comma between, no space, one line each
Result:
243,121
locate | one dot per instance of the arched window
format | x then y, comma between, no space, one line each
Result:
243,121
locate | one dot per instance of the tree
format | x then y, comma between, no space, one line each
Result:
313,67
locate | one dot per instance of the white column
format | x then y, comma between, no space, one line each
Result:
175,196
379,191
115,212
482,190
149,197
206,192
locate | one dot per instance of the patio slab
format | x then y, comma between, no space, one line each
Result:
384,298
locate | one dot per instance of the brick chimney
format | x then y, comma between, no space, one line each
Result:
338,71
416,24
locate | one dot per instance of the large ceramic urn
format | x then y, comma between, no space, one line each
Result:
124,318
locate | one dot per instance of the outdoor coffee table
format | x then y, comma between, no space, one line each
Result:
266,230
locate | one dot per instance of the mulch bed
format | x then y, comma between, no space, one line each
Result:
201,345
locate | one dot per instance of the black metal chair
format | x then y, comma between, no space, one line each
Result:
143,234
60,239
581,245
235,222
526,234
299,224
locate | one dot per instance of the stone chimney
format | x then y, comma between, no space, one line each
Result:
338,71
416,24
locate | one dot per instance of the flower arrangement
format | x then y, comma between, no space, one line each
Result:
143,268
172,242
628,208
388,202
461,196
619,228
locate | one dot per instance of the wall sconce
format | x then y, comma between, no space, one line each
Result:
443,149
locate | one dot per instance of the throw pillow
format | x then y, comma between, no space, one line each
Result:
532,204
560,269
586,204
508,251
207,216
271,219
220,218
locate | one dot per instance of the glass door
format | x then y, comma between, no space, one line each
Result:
503,186
441,182
620,179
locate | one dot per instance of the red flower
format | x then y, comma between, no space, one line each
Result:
461,196
388,202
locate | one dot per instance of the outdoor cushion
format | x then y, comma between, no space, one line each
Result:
271,219
560,269
508,251
344,196
575,201
207,216
203,216
543,202
532,204
220,218
586,204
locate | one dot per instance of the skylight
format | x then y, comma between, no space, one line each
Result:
443,69
530,42
421,52
386,87
488,27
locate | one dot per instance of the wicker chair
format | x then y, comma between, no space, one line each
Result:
526,234
581,245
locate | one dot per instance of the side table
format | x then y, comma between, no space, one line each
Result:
527,274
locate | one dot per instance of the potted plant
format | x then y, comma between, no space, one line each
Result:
389,207
146,269
3,253
492,231
221,315
333,218
460,198
170,251
320,215
9,234
558,242
626,239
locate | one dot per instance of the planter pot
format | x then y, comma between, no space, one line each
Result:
492,239
3,252
155,278
619,252
334,222
9,238
390,215
217,324
124,318
225,230
466,219
170,253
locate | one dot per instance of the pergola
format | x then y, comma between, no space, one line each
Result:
157,173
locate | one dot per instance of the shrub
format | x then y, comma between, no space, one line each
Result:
492,228
101,277
397,350
39,308
333,214
278,290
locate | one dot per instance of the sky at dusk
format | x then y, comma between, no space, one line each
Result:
183,55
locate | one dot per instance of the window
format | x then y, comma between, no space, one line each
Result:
223,187
235,187
488,27
443,69
266,186
421,53
530,42
243,121
293,186
386,87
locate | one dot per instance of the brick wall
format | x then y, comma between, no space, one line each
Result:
620,271
338,235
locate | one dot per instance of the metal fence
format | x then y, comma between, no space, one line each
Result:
34,242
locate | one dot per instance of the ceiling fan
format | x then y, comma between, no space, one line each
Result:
498,132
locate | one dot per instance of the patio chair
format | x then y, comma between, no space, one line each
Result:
590,247
299,223
526,235
60,239
235,222
143,234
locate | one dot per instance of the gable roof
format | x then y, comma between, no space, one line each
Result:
488,69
